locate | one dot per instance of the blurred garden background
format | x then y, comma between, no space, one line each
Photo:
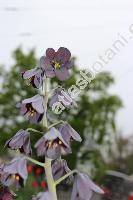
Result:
106,152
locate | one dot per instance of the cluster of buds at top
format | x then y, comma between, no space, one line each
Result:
56,139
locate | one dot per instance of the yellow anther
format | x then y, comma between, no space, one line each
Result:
56,65
50,144
60,142
17,178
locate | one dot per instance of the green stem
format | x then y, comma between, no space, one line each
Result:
56,123
66,176
48,170
45,165
50,180
45,123
34,130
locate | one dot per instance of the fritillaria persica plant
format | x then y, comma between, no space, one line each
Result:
56,138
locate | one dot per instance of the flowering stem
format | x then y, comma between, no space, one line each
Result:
34,130
66,176
45,123
56,123
45,165
48,170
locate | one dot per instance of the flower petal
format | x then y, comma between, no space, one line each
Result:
53,134
62,73
50,53
47,67
32,72
22,168
63,55
38,104
68,132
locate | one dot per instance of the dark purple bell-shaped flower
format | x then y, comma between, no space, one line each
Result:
57,63
34,77
59,169
6,194
62,96
52,145
20,141
17,170
84,187
32,108
68,133
43,196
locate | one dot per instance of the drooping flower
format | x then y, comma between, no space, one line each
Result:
6,194
52,144
20,141
43,196
57,63
17,170
4,176
34,77
62,96
84,187
32,108
59,169
68,133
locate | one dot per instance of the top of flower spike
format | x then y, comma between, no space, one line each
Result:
56,63
53,64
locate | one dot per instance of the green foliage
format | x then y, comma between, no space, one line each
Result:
94,116
121,155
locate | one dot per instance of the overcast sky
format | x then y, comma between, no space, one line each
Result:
88,28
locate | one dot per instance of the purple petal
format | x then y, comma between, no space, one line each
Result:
69,64
22,168
47,67
68,132
29,73
92,185
38,104
12,167
62,73
32,99
53,134
41,146
50,53
59,169
36,118
53,153
63,55
43,196
38,80
17,166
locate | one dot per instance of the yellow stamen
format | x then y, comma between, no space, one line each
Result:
50,144
60,142
17,178
56,65
28,81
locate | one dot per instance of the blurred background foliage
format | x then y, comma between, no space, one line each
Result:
93,119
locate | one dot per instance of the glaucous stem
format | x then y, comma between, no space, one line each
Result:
45,165
34,130
56,123
66,176
48,170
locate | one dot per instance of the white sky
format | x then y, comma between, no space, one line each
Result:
86,27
